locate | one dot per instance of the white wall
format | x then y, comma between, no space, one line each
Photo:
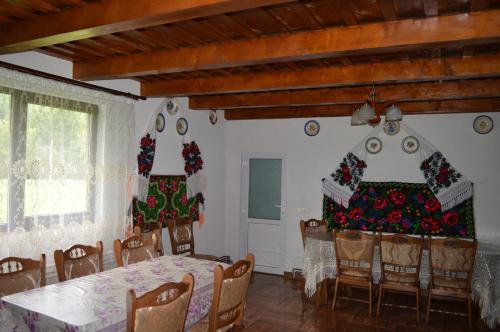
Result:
309,159
168,160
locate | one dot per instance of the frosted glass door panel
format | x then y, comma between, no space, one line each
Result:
264,195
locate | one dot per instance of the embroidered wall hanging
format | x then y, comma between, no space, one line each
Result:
397,207
448,185
166,199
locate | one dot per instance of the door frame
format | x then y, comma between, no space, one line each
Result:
244,190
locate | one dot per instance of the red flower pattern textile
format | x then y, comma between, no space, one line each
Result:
151,202
396,207
438,172
350,171
192,158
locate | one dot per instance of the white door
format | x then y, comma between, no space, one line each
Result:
263,222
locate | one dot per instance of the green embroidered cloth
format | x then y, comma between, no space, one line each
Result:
398,207
167,199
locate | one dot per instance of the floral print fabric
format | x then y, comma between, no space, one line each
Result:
438,172
397,207
98,302
350,171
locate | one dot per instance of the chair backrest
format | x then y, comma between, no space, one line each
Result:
312,226
354,251
147,236
21,274
78,261
162,309
181,236
452,259
230,291
401,255
133,250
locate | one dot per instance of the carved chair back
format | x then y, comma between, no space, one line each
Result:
147,236
230,290
78,261
400,258
133,250
21,274
312,226
162,309
452,262
181,236
354,253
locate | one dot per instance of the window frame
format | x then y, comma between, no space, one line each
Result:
20,101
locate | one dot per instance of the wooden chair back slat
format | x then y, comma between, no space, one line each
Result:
133,250
311,226
78,261
20,274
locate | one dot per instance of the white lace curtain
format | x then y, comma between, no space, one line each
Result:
66,155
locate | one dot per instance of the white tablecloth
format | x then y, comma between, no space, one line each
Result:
319,264
98,302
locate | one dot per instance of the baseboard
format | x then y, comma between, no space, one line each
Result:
287,275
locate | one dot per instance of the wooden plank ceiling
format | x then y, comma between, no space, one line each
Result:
260,59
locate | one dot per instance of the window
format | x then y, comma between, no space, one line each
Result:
50,144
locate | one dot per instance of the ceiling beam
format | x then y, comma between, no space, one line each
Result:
359,74
452,30
484,88
112,16
408,108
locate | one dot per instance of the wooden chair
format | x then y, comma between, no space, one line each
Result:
229,297
400,258
21,274
133,250
78,261
451,265
354,256
147,236
162,309
309,227
312,226
181,236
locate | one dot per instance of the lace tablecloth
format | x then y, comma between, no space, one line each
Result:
98,302
319,264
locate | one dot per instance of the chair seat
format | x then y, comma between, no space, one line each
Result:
202,326
355,273
455,284
400,278
204,257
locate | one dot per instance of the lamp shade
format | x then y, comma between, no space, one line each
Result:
366,112
355,120
393,113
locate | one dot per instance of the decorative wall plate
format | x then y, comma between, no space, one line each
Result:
213,117
391,127
410,144
171,107
181,126
160,122
311,128
373,145
483,124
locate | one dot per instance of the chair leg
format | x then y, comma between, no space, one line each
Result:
428,307
370,299
418,304
335,294
319,295
380,294
469,311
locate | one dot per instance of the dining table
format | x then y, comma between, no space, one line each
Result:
320,264
97,302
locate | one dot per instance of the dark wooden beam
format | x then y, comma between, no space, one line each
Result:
408,108
360,74
451,30
428,91
107,17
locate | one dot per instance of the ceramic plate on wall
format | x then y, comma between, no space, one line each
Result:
483,124
410,144
171,107
373,145
160,123
213,117
311,128
391,127
181,126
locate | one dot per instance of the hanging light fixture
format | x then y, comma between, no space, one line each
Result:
370,112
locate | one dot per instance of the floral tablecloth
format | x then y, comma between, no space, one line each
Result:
319,264
98,302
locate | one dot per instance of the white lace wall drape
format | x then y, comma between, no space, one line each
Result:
65,164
